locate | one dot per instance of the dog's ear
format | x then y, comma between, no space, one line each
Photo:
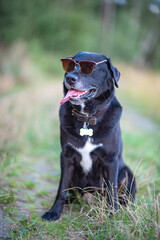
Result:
114,71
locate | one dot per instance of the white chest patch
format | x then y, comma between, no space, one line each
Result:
86,161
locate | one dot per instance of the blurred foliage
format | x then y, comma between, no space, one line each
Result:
129,31
56,25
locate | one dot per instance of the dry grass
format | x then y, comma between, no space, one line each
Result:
16,111
139,220
16,67
141,88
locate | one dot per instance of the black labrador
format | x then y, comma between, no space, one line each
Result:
90,132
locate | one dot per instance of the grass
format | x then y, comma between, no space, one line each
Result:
30,173
140,221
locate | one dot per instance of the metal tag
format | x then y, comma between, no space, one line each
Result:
86,132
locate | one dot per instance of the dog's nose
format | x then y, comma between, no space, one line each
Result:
70,78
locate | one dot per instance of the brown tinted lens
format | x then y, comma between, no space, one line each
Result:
87,67
68,65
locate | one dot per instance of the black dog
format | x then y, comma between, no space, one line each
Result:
90,132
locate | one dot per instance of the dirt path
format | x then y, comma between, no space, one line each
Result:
138,121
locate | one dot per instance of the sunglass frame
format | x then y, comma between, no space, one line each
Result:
79,63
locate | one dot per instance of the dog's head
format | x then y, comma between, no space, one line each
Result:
81,87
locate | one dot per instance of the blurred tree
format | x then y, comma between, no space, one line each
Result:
150,46
125,29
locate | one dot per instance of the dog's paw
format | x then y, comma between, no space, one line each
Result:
50,216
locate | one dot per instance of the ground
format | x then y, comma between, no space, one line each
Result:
30,171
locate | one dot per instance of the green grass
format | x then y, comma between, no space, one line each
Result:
133,222
39,146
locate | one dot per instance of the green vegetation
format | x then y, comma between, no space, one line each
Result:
120,31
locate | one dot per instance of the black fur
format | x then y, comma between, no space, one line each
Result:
107,161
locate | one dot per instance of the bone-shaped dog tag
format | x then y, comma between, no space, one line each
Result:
86,132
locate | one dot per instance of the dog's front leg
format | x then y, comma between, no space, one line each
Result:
67,168
111,176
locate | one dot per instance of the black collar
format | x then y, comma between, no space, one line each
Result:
91,119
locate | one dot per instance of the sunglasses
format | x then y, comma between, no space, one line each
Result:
86,67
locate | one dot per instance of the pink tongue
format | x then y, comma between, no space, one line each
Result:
70,93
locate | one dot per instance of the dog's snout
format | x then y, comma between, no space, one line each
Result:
70,78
